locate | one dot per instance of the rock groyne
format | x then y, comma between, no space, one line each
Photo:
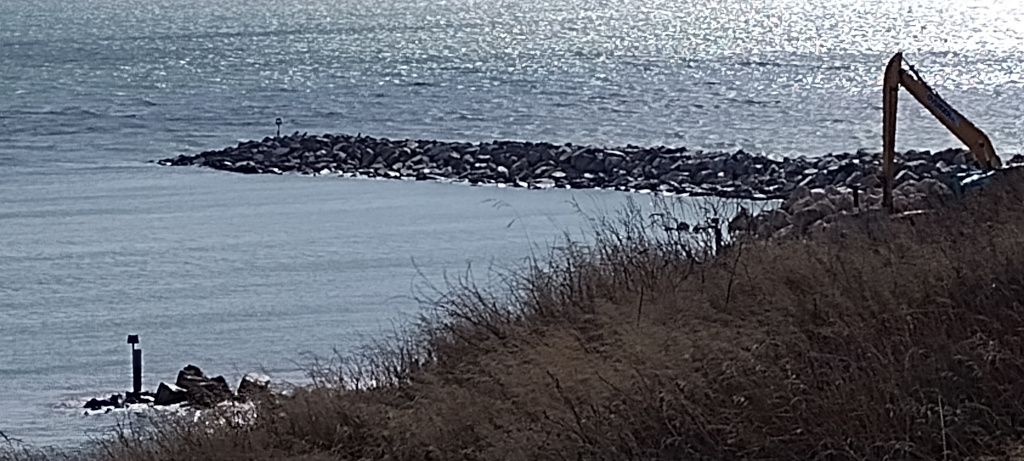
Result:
192,388
813,210
544,165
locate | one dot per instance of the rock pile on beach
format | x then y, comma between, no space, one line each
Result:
544,165
192,387
811,210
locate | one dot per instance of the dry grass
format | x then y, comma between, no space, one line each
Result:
13,449
877,340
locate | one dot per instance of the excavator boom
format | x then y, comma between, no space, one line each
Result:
895,77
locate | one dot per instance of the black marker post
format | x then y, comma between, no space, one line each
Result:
136,364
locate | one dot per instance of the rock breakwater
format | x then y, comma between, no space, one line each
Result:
544,165
192,388
813,210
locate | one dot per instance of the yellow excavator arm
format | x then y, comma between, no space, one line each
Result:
895,77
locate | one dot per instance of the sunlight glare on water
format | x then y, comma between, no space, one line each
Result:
235,272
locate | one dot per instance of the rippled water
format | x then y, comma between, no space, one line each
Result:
232,273
237,272
788,76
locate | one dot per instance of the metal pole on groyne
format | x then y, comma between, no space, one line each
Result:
136,364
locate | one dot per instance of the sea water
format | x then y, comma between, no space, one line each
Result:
258,273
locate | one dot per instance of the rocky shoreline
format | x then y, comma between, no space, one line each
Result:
544,165
192,388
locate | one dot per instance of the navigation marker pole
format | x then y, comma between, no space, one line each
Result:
278,122
136,364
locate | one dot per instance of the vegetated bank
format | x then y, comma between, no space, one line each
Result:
873,338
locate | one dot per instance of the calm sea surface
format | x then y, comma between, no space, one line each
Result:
237,273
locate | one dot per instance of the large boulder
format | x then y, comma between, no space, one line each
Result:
743,222
201,390
189,377
98,404
253,385
139,398
210,393
805,217
777,219
169,394
798,194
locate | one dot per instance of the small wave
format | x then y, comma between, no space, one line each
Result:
73,111
468,116
145,102
755,102
758,64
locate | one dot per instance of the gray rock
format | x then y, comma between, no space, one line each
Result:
802,204
190,376
778,219
807,182
201,390
941,190
870,181
928,185
253,386
209,393
542,171
900,204
742,222
542,183
906,188
842,201
98,404
805,217
818,227
854,180
798,193
825,207
785,232
169,394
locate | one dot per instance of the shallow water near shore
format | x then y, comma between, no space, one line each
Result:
235,273
231,273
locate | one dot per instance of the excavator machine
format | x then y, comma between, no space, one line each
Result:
895,77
